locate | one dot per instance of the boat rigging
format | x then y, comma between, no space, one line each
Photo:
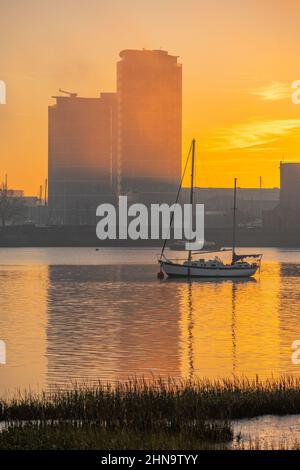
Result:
238,268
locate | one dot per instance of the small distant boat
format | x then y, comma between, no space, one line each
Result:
213,268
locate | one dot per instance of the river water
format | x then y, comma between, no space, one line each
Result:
74,314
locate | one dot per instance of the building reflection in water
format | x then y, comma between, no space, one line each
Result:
73,323
289,315
113,322
23,322
110,322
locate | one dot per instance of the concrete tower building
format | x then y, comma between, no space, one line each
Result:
149,91
81,162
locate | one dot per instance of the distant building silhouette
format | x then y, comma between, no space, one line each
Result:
125,143
286,215
81,160
251,203
289,187
149,91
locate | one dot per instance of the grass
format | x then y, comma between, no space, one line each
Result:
141,414
84,436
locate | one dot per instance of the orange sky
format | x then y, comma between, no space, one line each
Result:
239,60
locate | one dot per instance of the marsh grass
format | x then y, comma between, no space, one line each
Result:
163,414
64,435
144,402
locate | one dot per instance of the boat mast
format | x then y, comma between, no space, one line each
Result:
234,222
192,191
177,197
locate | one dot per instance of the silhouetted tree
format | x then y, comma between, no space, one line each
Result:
11,208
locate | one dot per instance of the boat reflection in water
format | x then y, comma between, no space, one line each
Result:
131,325
236,334
191,351
64,323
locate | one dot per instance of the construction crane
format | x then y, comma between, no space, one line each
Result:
72,95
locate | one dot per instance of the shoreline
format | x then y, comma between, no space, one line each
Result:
137,413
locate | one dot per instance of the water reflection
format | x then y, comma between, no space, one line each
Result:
233,327
23,319
110,322
222,330
289,313
72,322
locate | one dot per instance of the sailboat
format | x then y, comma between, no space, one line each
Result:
239,267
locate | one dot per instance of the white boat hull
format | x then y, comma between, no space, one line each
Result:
230,271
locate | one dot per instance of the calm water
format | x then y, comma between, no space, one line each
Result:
267,432
72,314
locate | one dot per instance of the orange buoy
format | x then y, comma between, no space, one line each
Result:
160,275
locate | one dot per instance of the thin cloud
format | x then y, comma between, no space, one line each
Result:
253,135
274,91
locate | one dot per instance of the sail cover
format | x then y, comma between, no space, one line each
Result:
241,257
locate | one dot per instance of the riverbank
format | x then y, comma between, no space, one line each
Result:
85,236
138,414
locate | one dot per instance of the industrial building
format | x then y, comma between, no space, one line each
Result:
285,217
252,203
289,187
81,157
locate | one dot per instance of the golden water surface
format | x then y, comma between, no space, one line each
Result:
79,314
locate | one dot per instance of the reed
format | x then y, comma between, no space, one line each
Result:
143,413
144,402
83,436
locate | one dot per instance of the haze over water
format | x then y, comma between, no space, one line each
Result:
73,314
